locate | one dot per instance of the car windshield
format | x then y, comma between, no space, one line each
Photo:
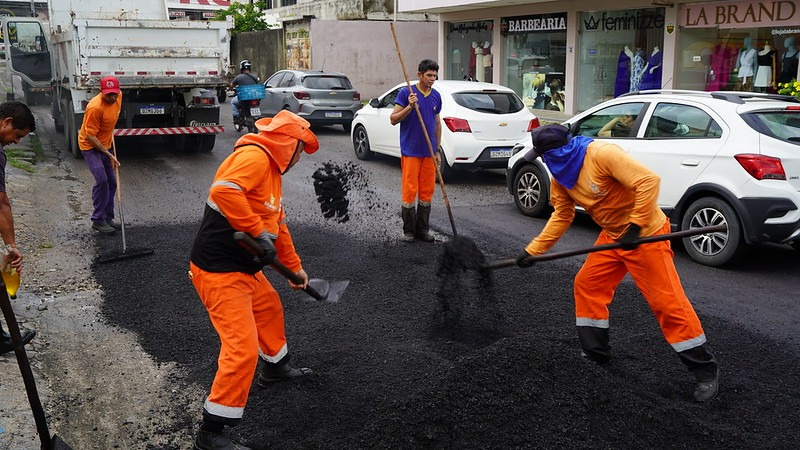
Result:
490,102
327,82
783,125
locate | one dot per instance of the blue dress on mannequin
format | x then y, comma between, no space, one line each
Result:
652,80
636,72
622,84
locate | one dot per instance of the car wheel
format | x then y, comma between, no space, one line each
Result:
361,144
531,191
718,248
347,126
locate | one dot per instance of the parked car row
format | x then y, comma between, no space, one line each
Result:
729,158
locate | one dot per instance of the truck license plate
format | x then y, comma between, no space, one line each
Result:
500,153
333,114
255,112
151,110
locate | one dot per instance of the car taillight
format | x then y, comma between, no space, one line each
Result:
534,124
300,95
357,97
762,167
457,125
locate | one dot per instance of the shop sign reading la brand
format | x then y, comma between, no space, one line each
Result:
740,14
534,23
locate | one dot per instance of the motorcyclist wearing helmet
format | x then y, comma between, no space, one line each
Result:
244,78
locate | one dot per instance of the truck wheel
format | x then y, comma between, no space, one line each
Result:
58,118
222,94
71,133
205,143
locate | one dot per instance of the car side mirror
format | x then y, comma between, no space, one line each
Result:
374,102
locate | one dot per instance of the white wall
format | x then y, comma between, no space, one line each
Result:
365,51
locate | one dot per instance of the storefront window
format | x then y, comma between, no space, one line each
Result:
469,51
620,52
739,46
535,58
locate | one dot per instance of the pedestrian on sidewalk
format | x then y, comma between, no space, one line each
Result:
418,168
244,308
95,139
16,121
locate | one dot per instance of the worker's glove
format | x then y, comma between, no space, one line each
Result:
524,260
268,247
630,240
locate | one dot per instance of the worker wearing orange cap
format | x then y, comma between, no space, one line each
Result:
243,306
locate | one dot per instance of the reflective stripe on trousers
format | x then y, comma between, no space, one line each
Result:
652,268
247,314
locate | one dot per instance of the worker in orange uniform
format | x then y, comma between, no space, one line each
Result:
621,195
242,305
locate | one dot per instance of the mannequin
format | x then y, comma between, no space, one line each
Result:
765,73
746,66
651,79
637,70
788,61
487,62
622,83
473,60
479,71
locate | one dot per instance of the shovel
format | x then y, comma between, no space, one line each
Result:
645,240
322,290
48,442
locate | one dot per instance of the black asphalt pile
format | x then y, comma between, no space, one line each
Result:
383,381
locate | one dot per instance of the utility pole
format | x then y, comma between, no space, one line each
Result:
33,9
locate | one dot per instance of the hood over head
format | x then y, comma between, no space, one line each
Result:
278,136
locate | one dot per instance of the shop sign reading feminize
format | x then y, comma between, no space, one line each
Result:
637,19
740,14
539,23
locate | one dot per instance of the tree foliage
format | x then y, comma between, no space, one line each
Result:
246,16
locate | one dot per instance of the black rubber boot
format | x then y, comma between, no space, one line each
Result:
702,363
409,219
422,228
280,371
594,342
207,440
7,345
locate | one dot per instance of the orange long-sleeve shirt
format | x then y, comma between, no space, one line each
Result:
99,121
613,188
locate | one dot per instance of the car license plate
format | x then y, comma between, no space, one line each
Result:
500,153
151,110
255,112
333,114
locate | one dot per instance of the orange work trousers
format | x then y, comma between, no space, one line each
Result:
652,268
419,179
248,316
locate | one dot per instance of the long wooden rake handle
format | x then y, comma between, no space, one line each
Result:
582,251
425,132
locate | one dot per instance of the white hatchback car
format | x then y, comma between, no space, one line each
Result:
481,123
728,158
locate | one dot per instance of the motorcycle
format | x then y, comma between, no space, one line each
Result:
249,98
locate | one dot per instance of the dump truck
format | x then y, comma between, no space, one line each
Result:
169,70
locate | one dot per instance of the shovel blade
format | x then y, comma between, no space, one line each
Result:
329,291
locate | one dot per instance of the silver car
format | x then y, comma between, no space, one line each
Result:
322,98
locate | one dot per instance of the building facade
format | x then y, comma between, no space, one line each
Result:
571,55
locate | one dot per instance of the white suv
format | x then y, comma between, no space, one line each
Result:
728,158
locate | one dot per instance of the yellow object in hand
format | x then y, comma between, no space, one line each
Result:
11,279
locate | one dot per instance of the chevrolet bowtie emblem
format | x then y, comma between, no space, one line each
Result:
502,124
